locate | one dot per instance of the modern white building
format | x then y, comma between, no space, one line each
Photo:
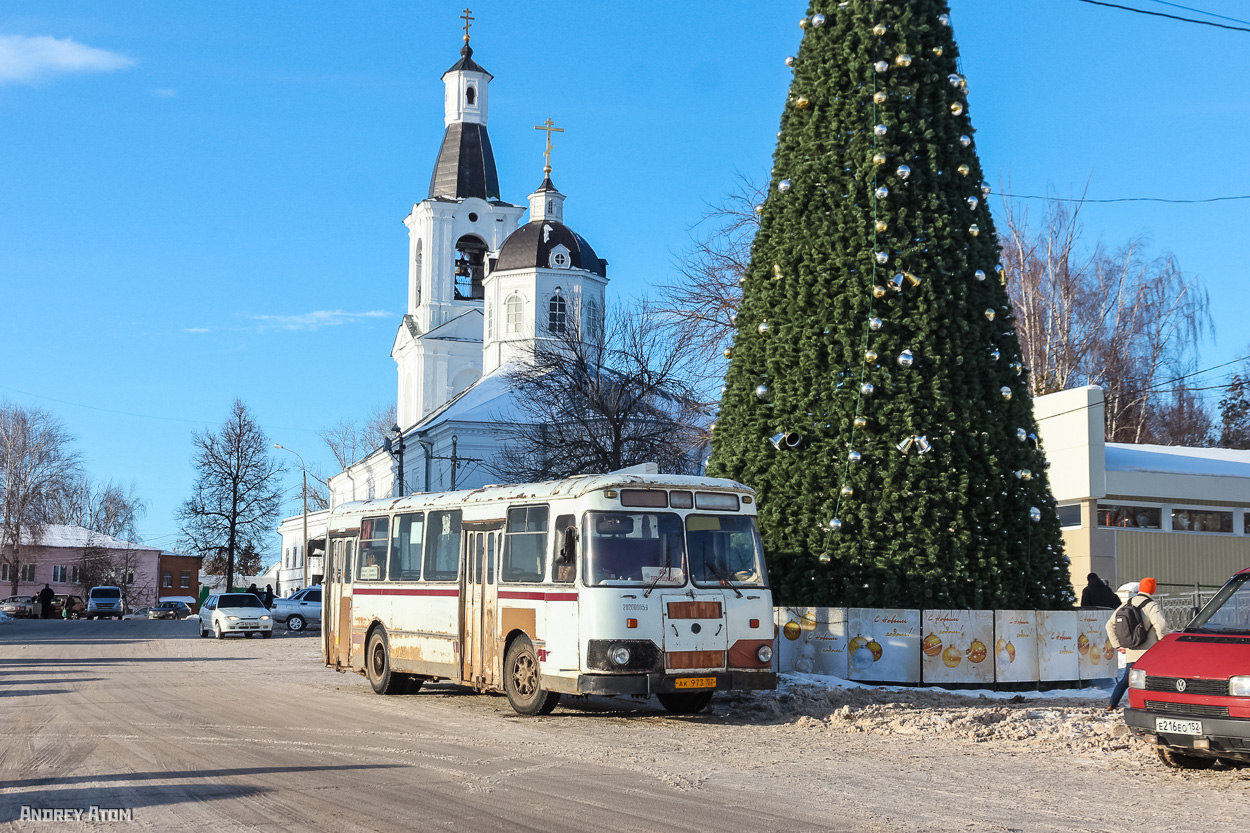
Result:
1181,515
483,289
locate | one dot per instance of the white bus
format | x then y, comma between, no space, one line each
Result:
600,584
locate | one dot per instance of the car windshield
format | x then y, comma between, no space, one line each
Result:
725,551
624,548
1228,612
106,593
239,600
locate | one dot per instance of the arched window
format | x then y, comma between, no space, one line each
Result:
470,96
416,275
514,309
557,314
470,268
490,322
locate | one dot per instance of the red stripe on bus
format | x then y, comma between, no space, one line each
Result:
406,591
539,597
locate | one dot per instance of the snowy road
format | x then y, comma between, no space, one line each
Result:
254,734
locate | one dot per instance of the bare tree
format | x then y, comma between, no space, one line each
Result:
704,300
615,397
114,566
348,440
37,464
1116,318
107,509
238,492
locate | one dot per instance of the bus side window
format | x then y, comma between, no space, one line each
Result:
407,533
347,562
564,567
490,557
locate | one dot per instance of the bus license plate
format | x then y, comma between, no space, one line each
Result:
699,682
1178,727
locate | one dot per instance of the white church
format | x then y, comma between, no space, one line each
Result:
482,290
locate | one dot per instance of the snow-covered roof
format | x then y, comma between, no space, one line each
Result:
491,399
63,535
1169,459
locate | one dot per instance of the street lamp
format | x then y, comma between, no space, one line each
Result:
304,469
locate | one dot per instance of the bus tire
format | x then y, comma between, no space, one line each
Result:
1176,760
685,702
378,665
522,680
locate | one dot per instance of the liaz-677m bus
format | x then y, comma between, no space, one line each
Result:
601,584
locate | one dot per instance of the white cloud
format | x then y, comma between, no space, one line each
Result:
317,319
32,58
197,330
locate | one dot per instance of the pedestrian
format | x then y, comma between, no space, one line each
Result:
269,596
254,590
1157,628
1098,594
45,597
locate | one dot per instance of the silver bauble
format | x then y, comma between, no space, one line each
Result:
818,20
763,328
944,19
965,140
1021,434
846,491
906,359
979,274
867,389
985,189
854,456
883,257
995,355
789,60
835,525
989,314
903,172
974,229
1017,367
954,78
724,389
973,202
1006,393
882,192
733,316
1026,475
825,558
762,391
783,186
1035,514
881,66
875,323
881,130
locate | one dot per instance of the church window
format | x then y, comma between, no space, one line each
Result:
490,322
557,313
514,309
470,268
592,320
470,96
416,279
560,259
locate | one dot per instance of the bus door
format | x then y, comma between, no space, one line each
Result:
478,604
337,602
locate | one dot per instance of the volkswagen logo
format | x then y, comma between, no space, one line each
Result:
1180,685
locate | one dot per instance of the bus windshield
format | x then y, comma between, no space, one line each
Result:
1228,612
725,551
626,548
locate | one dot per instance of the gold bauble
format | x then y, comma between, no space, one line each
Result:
861,422
880,96
802,104
964,170
803,23
974,229
879,29
882,226
937,50
903,60
957,109
870,356
878,159
878,291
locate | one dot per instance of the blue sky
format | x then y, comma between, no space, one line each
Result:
204,200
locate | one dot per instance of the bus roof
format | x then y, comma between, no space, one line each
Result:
569,487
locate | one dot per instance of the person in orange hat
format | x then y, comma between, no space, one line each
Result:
1153,613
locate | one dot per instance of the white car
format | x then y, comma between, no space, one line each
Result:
241,613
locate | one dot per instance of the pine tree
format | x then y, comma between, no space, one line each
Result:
875,334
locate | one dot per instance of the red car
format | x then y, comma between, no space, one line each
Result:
1190,693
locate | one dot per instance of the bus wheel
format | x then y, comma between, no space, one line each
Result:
522,681
1176,760
685,702
378,666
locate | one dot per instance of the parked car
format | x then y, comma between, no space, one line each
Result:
19,607
241,613
300,610
104,602
169,610
76,607
1189,695
141,613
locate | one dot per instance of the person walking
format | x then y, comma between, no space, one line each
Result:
268,600
46,597
1156,628
1098,594
254,590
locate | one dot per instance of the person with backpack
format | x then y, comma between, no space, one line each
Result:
1132,629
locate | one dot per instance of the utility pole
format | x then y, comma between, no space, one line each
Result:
455,460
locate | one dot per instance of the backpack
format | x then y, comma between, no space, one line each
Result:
1132,629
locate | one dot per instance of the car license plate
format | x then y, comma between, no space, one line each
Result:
695,682
1178,727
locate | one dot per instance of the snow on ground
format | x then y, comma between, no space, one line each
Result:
4,617
1075,720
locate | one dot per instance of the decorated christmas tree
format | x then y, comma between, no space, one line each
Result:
875,396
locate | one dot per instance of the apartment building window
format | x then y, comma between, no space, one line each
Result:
59,573
167,578
28,572
74,575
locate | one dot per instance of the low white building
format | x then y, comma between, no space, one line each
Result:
299,551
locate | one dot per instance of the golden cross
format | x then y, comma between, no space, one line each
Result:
550,127
468,19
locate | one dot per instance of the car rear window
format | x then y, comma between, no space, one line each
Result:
239,600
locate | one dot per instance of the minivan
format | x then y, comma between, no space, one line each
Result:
105,602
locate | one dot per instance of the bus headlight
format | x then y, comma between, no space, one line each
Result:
1136,678
1239,686
765,653
619,655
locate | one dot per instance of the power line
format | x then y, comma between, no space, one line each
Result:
1200,11
1123,199
1169,16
